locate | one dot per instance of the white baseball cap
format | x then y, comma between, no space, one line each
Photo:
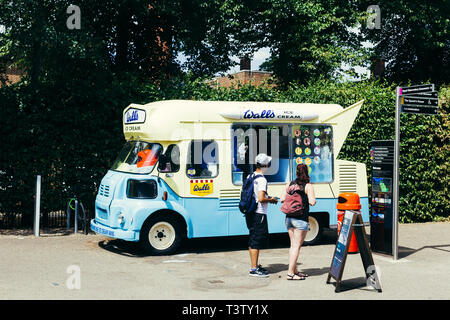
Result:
263,159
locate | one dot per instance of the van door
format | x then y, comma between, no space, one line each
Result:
202,202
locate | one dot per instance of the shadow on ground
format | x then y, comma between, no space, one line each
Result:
403,252
208,245
359,283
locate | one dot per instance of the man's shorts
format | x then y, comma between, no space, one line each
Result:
258,229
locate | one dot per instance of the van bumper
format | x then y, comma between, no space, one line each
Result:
127,235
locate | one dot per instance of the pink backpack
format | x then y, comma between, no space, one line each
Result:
293,202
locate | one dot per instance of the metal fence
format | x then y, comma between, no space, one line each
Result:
53,205
55,219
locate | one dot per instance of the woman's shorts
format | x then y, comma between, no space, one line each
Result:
258,230
298,224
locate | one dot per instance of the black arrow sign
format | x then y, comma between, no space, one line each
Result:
419,109
419,101
432,94
417,89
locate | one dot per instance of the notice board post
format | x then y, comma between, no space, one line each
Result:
382,219
396,175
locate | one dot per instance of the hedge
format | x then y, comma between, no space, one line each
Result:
71,133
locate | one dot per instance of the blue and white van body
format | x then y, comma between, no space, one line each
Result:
159,191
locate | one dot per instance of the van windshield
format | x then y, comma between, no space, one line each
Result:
137,157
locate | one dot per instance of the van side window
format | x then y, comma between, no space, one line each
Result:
170,160
202,159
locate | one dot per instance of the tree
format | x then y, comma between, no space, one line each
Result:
413,40
307,39
128,36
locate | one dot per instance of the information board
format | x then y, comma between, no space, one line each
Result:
381,213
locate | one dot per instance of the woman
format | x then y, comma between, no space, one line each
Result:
298,225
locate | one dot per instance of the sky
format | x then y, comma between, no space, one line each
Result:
262,54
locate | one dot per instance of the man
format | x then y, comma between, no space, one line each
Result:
257,221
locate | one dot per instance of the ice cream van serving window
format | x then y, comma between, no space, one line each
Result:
202,159
288,145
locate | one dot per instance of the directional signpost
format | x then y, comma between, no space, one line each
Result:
421,99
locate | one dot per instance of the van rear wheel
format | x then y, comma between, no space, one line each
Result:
161,235
315,230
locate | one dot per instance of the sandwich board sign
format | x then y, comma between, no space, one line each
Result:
352,222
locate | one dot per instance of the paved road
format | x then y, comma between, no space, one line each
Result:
217,268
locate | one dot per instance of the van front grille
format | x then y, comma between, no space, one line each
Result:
103,190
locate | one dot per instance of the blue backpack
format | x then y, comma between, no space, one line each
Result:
248,203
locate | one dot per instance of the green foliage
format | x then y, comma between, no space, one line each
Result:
70,135
307,39
413,39
117,37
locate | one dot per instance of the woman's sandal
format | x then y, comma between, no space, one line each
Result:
301,274
291,277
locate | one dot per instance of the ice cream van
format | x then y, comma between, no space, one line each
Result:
180,172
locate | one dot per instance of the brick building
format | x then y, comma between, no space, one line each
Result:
12,75
244,76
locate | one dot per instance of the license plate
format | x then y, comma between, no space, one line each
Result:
103,231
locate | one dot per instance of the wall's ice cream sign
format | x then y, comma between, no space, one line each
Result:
268,114
133,115
201,187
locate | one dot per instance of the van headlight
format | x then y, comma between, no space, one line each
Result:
121,219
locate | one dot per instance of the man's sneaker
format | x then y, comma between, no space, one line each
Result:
262,269
259,272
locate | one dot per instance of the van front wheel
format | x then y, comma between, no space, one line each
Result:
161,235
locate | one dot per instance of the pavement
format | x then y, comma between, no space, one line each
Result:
68,266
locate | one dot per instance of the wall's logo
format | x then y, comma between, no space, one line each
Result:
201,187
264,114
134,116
267,114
